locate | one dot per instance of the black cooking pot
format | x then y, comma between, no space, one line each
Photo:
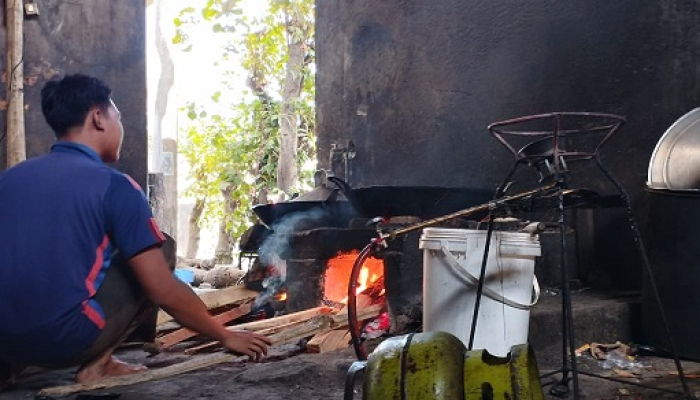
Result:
420,201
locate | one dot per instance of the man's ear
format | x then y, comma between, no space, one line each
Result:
97,119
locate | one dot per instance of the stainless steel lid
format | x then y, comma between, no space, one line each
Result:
675,162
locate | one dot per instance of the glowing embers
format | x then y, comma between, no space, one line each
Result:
337,276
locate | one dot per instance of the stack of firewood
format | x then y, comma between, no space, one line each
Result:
325,327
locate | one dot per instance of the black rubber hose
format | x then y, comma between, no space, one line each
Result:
366,252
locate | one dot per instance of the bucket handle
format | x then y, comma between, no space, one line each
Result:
471,280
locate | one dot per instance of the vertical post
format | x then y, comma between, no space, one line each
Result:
16,145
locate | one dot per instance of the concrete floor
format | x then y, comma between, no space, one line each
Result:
322,376
290,373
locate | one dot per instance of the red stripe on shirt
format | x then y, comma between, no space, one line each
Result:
93,315
96,267
156,231
133,182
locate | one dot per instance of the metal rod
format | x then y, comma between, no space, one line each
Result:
480,286
647,266
467,211
568,326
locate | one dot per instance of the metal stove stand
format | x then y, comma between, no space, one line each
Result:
550,143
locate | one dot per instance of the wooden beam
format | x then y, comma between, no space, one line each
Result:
15,138
305,329
228,296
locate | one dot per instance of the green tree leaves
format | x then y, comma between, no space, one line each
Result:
237,152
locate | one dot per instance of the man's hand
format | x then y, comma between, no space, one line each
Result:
178,300
250,344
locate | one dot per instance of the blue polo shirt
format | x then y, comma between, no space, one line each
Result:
62,216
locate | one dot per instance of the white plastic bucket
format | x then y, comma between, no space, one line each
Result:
452,261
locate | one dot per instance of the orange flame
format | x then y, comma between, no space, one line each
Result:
338,273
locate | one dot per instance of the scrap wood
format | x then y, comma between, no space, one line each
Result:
269,326
361,302
339,337
282,320
232,295
329,341
150,375
308,328
204,346
166,341
341,320
304,329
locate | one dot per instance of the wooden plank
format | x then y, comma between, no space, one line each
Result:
340,336
203,346
282,320
305,329
341,319
327,341
361,301
320,323
345,341
228,296
269,326
314,344
150,375
166,341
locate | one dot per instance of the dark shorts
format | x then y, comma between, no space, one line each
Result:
128,313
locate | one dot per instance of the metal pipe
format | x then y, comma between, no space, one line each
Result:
467,211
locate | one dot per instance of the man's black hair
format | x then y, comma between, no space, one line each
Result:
66,102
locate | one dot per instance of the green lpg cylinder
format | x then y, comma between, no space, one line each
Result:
418,366
514,377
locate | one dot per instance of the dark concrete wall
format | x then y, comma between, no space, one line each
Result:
414,84
104,38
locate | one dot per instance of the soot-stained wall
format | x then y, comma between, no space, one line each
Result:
103,38
414,84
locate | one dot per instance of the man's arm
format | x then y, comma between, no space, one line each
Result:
180,301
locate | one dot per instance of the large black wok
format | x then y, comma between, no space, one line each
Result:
306,214
421,201
323,206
